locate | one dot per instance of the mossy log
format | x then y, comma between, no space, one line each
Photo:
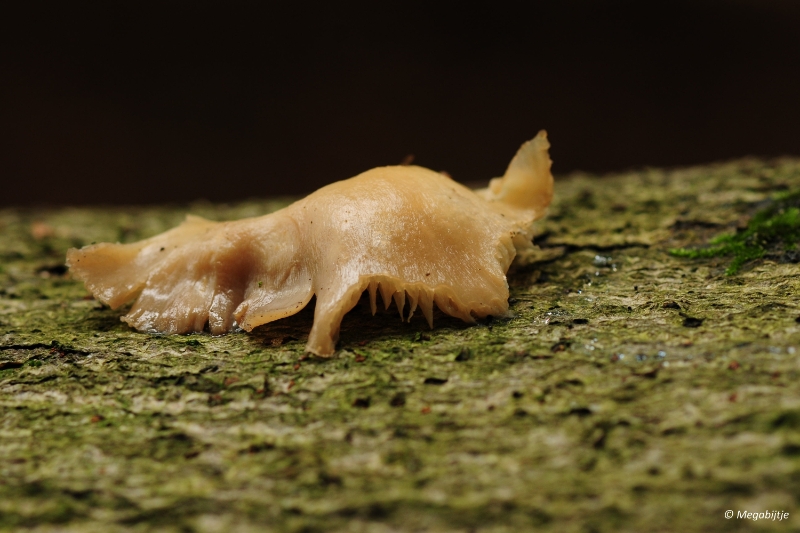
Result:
632,390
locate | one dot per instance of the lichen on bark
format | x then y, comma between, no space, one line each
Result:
632,390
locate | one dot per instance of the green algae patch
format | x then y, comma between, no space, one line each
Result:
630,390
775,230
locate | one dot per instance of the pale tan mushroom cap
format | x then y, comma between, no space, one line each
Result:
406,232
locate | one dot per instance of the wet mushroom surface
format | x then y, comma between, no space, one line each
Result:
408,231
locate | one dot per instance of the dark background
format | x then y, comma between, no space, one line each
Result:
133,102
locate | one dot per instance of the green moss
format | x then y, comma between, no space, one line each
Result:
773,229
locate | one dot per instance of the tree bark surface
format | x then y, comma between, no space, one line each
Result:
631,390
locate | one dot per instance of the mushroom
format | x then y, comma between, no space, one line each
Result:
405,232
